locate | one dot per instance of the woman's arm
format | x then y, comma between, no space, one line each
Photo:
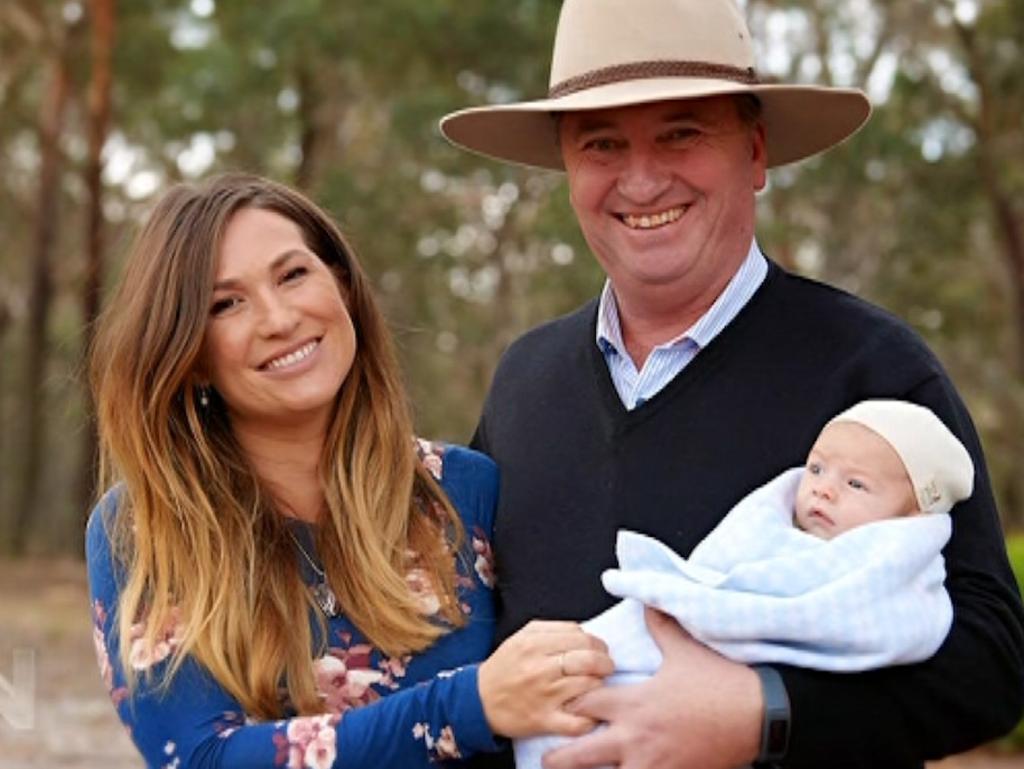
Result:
194,722
198,724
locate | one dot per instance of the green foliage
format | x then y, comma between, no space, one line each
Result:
1015,549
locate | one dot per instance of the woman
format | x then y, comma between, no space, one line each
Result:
276,550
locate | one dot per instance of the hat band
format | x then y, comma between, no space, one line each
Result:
642,70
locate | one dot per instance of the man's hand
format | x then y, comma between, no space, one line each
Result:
700,710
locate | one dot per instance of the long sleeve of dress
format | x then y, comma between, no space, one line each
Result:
195,723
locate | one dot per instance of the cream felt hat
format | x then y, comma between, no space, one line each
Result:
940,469
615,53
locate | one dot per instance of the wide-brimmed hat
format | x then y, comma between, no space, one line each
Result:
614,53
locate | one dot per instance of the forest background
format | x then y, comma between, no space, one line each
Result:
104,103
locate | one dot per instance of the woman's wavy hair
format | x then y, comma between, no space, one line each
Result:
197,535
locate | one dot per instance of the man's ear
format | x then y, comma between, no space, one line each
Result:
759,155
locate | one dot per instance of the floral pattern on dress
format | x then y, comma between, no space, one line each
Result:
347,674
430,455
309,742
342,683
394,668
484,563
422,589
143,655
119,693
443,748
229,723
173,760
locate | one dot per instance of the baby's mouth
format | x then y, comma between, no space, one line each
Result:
816,513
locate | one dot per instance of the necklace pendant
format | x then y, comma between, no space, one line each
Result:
325,599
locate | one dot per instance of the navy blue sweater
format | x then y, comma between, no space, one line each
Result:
576,466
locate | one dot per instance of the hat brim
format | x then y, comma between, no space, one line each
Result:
799,121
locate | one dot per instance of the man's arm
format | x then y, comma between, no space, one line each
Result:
699,711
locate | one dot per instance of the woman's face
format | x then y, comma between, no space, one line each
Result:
279,340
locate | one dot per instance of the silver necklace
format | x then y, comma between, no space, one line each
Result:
322,593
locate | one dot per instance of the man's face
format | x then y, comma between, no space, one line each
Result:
664,192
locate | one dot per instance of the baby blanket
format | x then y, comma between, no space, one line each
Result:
757,589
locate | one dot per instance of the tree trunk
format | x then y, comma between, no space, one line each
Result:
309,128
103,18
1012,231
50,123
5,319
1009,224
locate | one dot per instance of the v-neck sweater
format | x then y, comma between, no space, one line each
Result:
576,466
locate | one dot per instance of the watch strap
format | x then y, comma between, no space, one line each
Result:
775,727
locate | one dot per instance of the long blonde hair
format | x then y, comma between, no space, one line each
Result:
198,535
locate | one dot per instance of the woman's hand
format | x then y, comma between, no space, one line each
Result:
527,680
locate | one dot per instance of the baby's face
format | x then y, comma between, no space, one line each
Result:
853,476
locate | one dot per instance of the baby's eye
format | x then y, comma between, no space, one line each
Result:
221,306
857,483
814,468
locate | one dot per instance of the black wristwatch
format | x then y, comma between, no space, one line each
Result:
775,727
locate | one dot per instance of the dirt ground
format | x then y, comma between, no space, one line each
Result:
44,607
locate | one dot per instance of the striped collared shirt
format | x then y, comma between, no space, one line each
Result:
668,359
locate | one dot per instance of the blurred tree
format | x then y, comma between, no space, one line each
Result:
342,99
5,320
51,120
906,213
102,19
993,115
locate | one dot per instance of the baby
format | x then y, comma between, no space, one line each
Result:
861,468
835,566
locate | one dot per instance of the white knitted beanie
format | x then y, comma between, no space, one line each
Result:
939,466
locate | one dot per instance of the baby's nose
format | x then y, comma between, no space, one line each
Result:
823,489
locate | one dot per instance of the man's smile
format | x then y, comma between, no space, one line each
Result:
652,221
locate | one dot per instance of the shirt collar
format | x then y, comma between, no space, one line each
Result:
744,282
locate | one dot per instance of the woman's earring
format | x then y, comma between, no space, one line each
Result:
204,396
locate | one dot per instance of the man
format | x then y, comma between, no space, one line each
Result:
702,371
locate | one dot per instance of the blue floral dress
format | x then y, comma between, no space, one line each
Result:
382,712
